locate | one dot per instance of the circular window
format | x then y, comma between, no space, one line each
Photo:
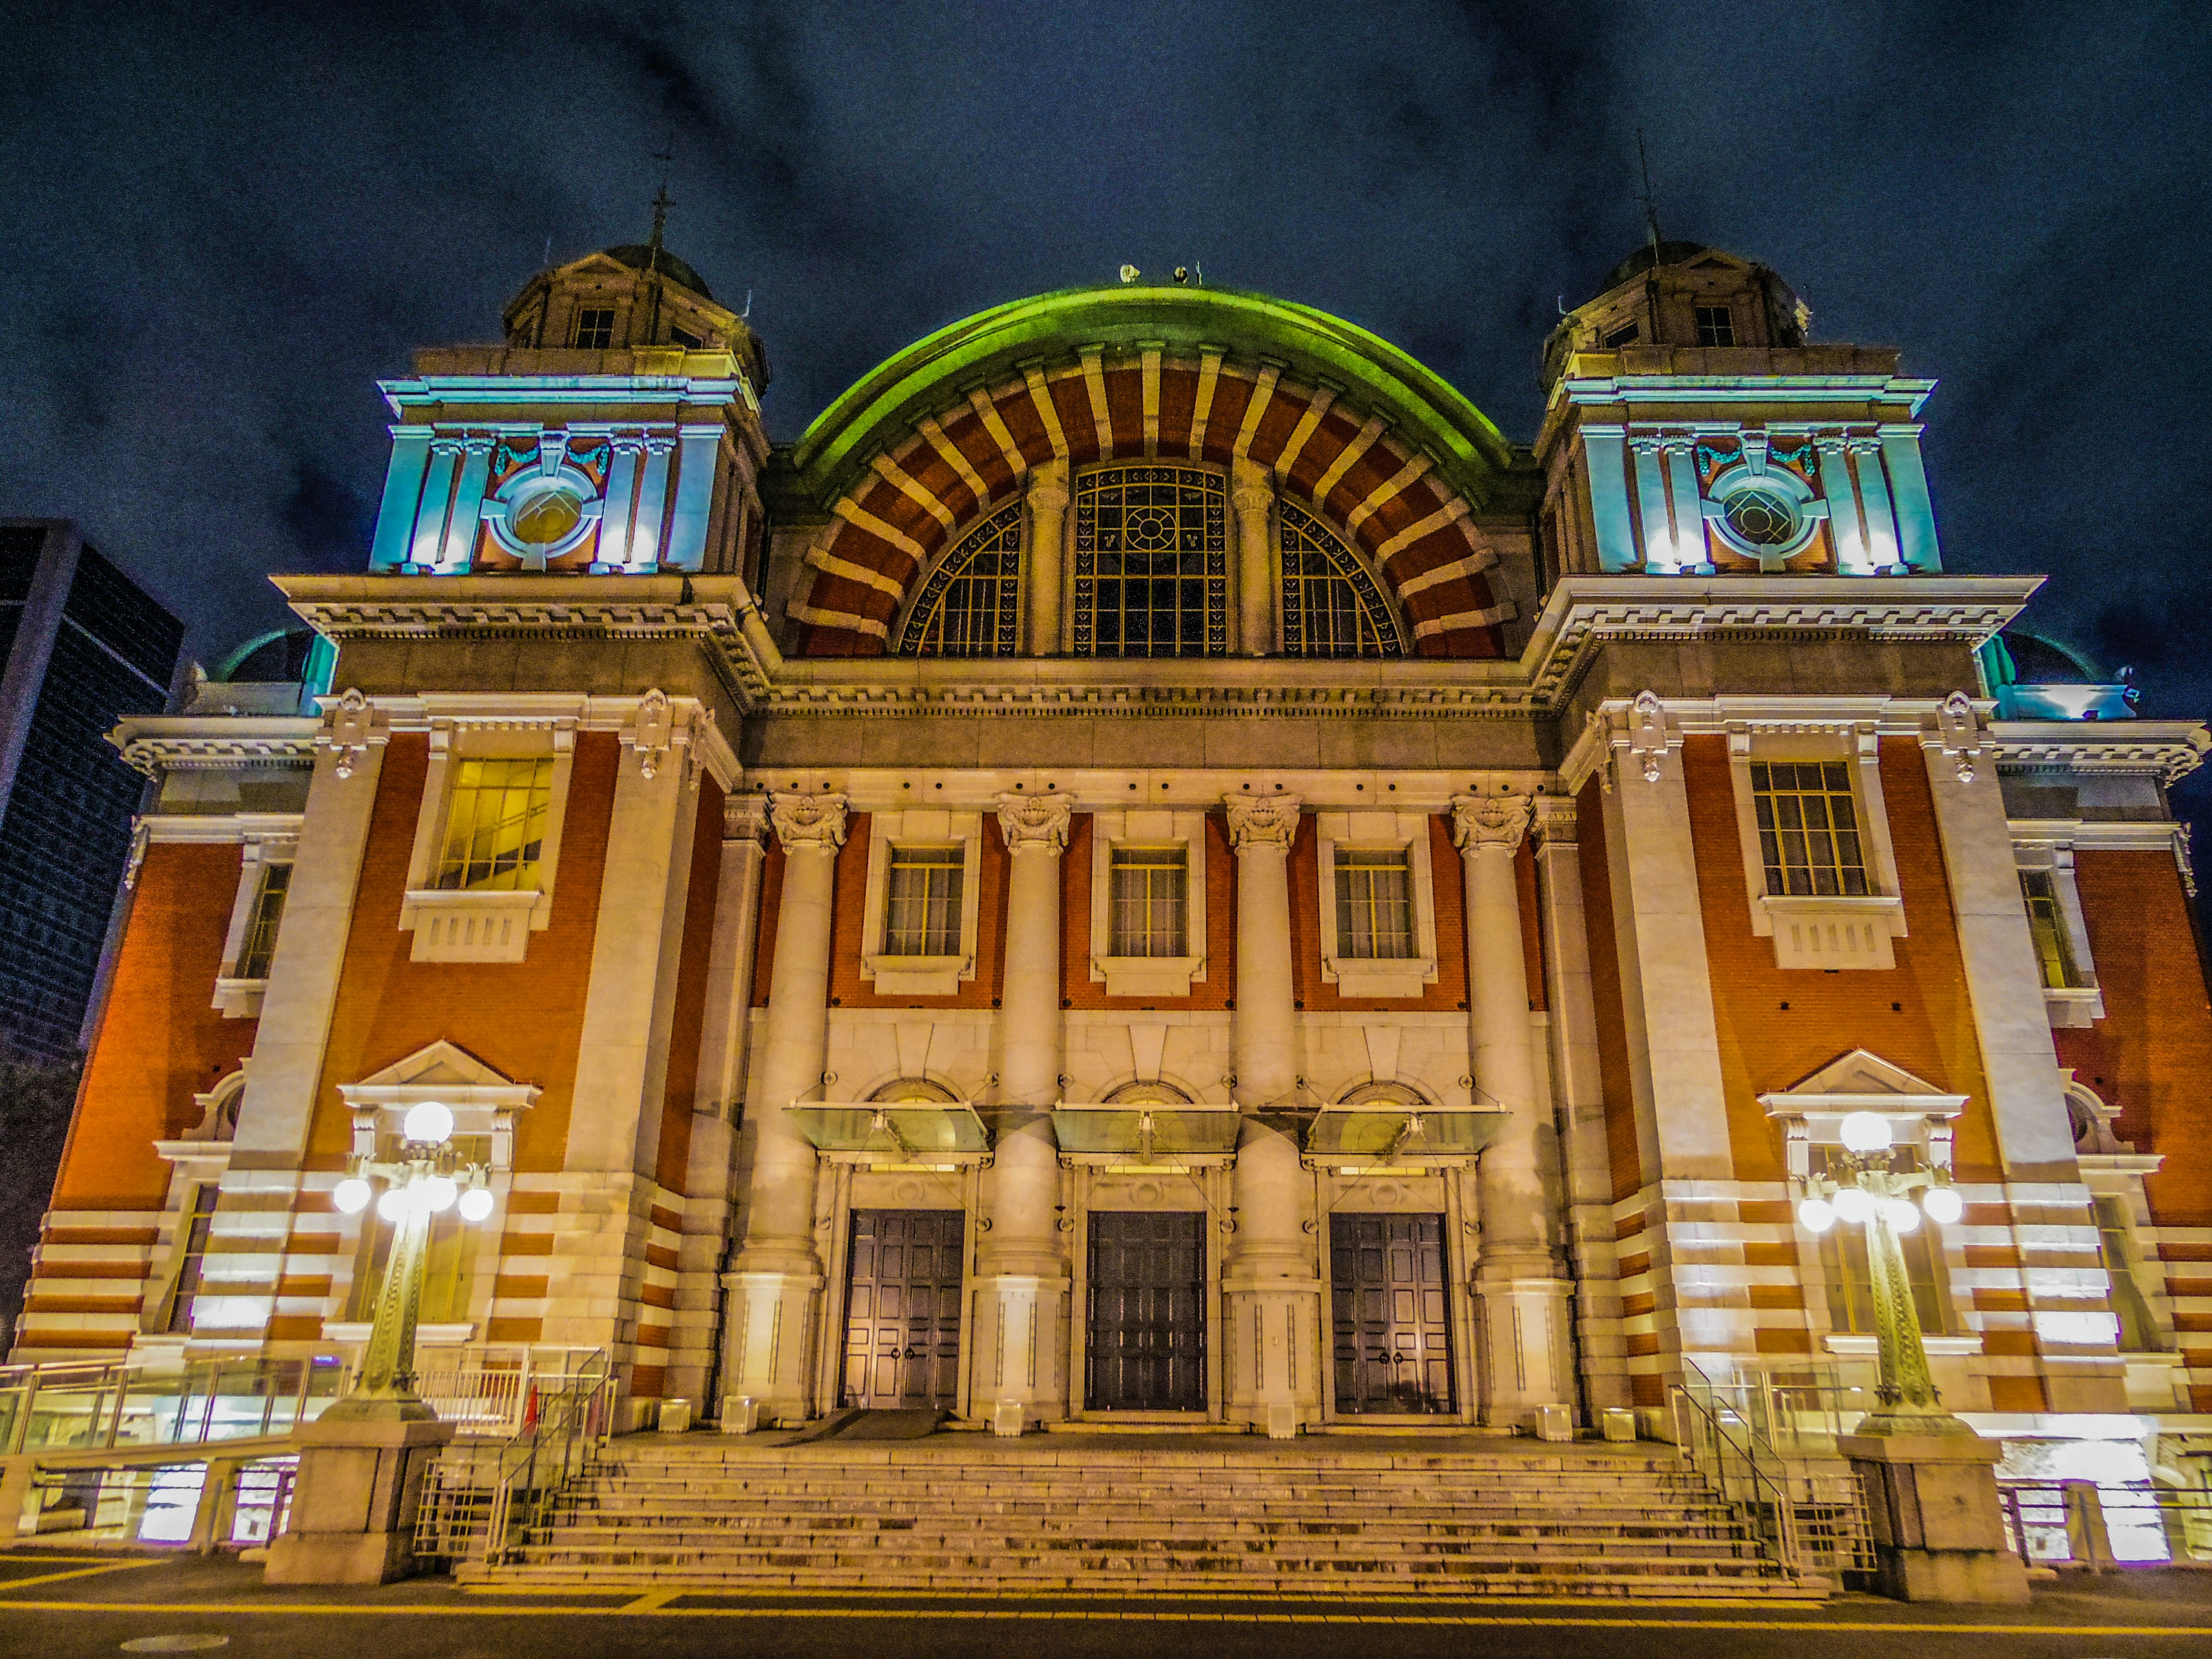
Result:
546,514
1763,517
1148,528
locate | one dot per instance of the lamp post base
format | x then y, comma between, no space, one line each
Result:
353,1511
1938,1529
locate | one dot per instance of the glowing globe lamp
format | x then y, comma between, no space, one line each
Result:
1852,1205
427,1122
1865,1132
1817,1214
1942,1205
475,1204
351,1195
439,1192
391,1203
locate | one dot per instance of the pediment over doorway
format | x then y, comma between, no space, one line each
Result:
1811,1113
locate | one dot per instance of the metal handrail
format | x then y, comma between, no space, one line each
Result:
1733,1445
519,1480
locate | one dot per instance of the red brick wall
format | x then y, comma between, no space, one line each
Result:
1313,992
521,1018
1612,1068
1916,1015
2152,1053
1216,990
161,1039
849,917
690,1017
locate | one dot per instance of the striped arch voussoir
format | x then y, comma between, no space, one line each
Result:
976,451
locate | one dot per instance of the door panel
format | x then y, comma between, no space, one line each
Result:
902,1309
1392,1315
1147,1310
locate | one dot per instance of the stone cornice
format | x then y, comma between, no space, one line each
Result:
165,742
2167,750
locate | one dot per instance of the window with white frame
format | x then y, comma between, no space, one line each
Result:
2060,935
924,875
1377,899
1148,902
2115,1249
256,915
488,838
1819,868
1151,890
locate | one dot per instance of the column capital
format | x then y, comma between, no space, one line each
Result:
1047,490
744,818
1486,821
808,821
1262,820
1553,819
1035,821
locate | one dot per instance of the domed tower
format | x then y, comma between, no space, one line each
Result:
1692,427
618,430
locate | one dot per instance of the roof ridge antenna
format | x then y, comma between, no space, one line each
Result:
1651,226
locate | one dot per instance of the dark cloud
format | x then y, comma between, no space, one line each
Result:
227,220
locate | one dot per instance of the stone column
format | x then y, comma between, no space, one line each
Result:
1041,580
776,1287
1519,1280
1271,1288
1021,1279
1253,499
1581,1093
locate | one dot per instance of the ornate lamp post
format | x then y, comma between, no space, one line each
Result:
425,1179
1878,1198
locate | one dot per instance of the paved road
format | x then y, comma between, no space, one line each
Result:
72,1606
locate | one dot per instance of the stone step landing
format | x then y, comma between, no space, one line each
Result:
961,1513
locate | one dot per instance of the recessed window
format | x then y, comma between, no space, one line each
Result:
1851,1285
2115,1249
1330,606
2047,923
1374,903
1150,889
1152,574
260,945
198,1226
1715,326
689,342
1809,828
1620,338
595,327
495,825
921,902
971,604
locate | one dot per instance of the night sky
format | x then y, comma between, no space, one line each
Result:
222,224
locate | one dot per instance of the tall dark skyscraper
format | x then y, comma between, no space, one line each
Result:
83,647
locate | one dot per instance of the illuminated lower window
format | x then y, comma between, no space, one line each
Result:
1330,606
1150,889
921,902
260,945
495,825
2115,1249
1152,573
198,1226
971,604
1374,903
1809,828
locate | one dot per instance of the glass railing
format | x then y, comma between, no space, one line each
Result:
95,1405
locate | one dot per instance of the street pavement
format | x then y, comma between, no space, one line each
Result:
60,1604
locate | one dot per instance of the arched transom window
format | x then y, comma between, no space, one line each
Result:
1330,606
971,605
1152,574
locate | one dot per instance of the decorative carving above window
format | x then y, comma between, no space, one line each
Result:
1152,576
1331,605
971,604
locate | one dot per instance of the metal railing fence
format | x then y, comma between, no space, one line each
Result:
477,1499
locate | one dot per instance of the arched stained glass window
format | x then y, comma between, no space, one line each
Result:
1151,577
1330,606
971,605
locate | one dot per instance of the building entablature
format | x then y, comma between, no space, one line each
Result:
2166,749
1335,789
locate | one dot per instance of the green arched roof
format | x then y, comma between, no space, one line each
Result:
877,412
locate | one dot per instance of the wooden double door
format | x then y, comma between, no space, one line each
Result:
1147,1313
902,1309
1392,1313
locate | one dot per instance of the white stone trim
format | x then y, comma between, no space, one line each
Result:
920,976
1407,832
238,998
1147,976
1810,1112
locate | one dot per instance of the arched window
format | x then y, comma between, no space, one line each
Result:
1330,606
971,606
1151,577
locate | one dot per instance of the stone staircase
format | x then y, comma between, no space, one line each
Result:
1060,1513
